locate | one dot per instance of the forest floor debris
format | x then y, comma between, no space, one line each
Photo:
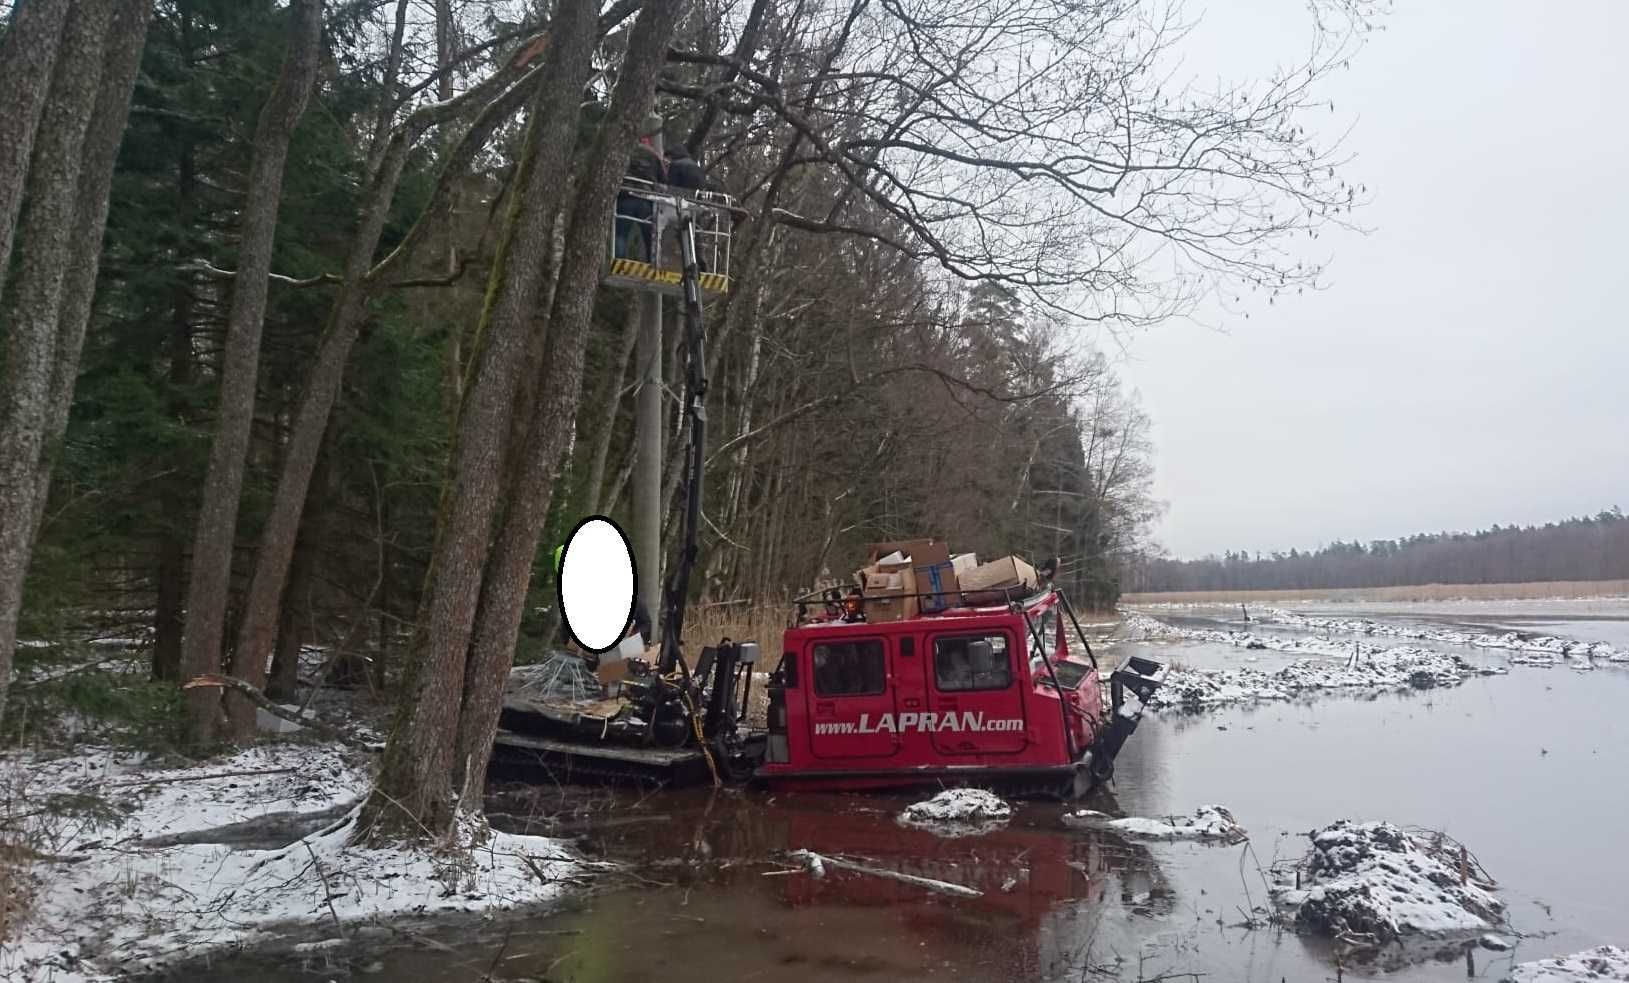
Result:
103,905
1209,824
1373,885
958,812
1602,964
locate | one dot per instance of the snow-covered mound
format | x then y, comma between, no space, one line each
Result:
1538,649
1366,669
1374,884
128,796
121,892
1598,965
958,812
124,913
1137,627
1208,823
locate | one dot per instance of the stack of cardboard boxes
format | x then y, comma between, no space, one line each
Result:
906,578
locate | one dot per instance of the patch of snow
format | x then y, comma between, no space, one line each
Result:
1374,884
958,812
111,908
1364,668
1602,963
1210,823
148,799
1136,626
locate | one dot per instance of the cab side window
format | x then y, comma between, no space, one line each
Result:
971,662
850,668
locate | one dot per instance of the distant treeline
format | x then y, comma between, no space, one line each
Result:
1589,548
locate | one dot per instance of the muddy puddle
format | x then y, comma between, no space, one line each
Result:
1530,769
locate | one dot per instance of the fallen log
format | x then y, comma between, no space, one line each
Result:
265,703
207,776
818,862
272,831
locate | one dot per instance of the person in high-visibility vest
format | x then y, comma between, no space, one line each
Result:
641,618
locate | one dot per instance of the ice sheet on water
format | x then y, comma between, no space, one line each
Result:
1361,667
1212,824
1373,884
1540,649
1597,965
958,812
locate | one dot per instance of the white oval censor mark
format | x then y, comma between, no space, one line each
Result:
597,583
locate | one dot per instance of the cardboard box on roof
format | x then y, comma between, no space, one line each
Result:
988,583
889,593
937,582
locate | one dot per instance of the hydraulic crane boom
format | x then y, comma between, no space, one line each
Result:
678,583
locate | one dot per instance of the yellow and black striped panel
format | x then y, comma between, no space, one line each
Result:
633,269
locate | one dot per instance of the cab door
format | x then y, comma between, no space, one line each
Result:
851,700
975,697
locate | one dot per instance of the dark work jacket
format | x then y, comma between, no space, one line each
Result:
684,172
645,165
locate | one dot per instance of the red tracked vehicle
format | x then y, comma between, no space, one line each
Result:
994,696
991,695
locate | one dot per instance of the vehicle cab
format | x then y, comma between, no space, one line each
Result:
985,695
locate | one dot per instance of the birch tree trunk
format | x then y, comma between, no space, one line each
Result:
549,434
210,582
26,58
31,338
414,790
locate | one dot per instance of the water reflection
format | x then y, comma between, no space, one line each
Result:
1526,768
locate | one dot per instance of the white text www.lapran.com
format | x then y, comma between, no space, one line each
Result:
966,722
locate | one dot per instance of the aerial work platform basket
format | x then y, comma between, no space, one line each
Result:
642,249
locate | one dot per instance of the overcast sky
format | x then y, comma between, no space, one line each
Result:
1469,362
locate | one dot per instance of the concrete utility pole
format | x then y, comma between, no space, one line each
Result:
647,476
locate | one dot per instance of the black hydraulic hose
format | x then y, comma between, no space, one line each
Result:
1063,704
1070,608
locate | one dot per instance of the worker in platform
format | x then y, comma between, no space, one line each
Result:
646,169
684,171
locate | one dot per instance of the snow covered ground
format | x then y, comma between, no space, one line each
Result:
1211,823
105,905
1374,884
958,812
1599,965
